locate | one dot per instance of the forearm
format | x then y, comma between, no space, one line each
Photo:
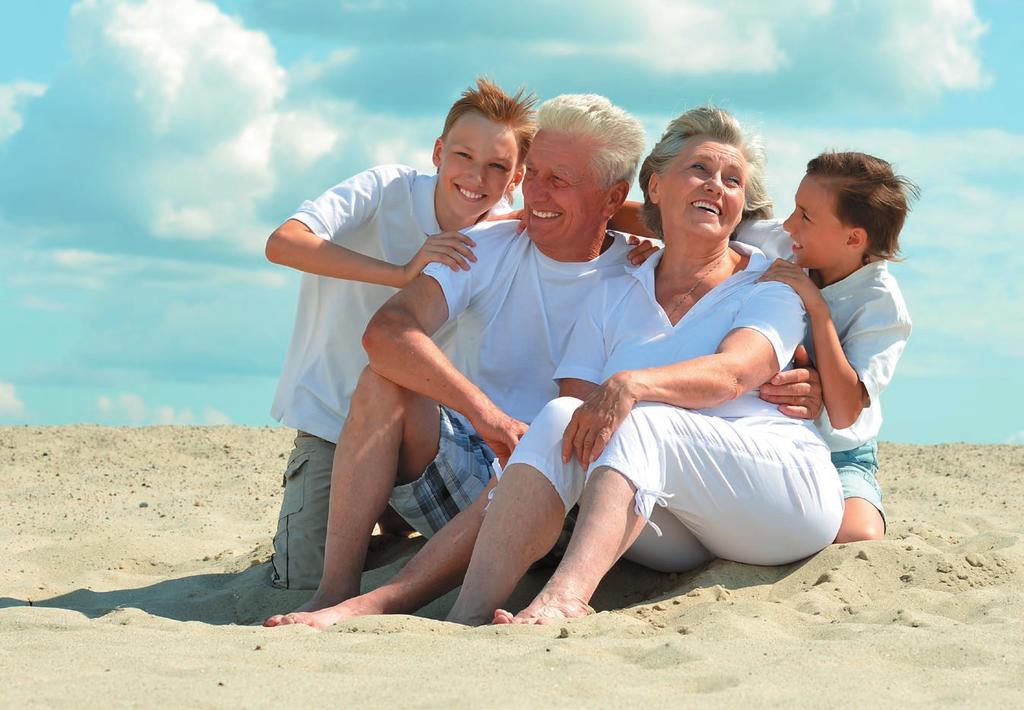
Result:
302,250
694,384
629,219
842,390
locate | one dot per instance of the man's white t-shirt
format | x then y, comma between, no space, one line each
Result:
873,324
385,212
623,327
515,310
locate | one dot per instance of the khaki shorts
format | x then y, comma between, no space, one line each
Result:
302,523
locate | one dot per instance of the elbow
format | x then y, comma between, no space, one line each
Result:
843,420
274,251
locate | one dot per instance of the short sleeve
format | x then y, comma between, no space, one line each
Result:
775,311
460,288
874,343
768,236
348,205
586,352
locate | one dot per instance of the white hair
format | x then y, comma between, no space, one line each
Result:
620,136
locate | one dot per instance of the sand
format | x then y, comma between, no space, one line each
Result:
138,566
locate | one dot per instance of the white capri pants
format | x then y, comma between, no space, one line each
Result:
757,490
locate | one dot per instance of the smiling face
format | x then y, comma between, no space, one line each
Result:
820,240
701,192
566,208
477,163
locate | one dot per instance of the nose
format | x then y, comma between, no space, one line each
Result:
789,223
714,183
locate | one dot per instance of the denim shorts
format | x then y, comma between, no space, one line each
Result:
857,469
451,483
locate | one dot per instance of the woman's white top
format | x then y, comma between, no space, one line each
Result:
873,324
623,327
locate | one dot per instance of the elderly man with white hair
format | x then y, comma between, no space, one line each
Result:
441,427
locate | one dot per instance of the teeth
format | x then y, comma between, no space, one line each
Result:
706,206
543,215
471,195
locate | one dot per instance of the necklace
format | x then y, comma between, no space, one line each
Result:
679,300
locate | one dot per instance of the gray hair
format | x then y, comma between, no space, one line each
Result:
719,125
620,137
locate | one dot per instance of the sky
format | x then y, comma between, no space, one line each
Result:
147,150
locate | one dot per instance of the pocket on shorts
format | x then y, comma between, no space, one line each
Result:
294,494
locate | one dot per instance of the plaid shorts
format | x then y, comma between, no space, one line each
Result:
453,480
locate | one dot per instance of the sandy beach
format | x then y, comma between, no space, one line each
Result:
138,572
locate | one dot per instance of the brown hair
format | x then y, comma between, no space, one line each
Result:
487,99
869,195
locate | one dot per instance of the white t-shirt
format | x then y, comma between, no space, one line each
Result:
873,324
385,212
515,310
622,327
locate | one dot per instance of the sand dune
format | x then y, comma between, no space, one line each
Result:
138,566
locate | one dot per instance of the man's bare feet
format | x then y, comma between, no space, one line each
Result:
320,615
548,606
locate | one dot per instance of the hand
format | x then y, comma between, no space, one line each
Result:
796,391
594,422
500,432
644,247
795,277
451,248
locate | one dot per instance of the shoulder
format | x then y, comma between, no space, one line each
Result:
767,235
497,237
878,296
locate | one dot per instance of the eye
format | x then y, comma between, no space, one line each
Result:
559,182
499,166
735,180
462,154
699,166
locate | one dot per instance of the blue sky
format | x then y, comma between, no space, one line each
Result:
148,148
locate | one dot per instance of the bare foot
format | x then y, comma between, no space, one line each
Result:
319,613
503,617
549,606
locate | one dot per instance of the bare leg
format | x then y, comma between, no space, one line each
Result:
435,570
861,521
388,429
522,524
607,525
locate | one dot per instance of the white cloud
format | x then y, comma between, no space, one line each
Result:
126,407
169,415
1017,439
10,405
215,417
12,97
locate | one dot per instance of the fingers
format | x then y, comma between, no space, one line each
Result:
795,389
797,412
783,399
568,437
789,377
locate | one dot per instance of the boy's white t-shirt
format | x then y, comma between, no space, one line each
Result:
873,324
515,310
623,327
385,212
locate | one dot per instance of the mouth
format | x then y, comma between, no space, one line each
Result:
472,196
707,207
541,214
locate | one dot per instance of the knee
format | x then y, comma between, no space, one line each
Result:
859,526
559,410
374,389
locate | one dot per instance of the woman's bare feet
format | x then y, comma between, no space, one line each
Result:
320,613
548,606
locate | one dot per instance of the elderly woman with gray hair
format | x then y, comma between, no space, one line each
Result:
660,435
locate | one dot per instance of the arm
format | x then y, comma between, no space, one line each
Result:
797,392
628,220
295,245
744,359
843,393
397,341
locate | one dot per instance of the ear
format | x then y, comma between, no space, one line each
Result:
438,147
653,189
616,197
857,238
517,178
